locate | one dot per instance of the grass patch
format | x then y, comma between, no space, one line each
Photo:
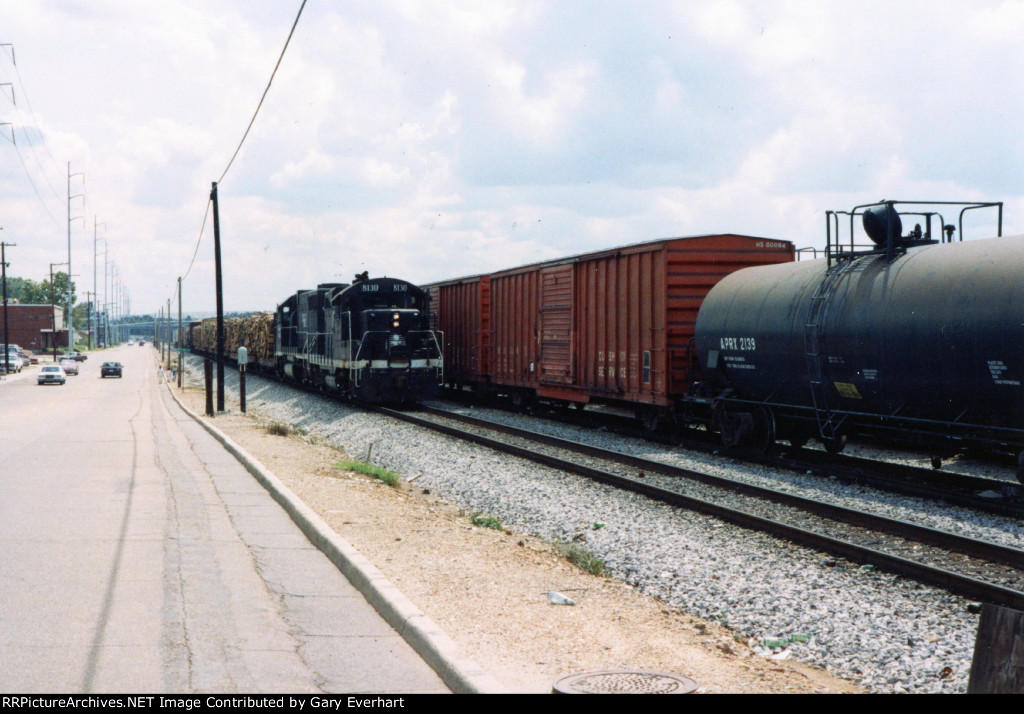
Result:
582,559
278,428
361,467
482,521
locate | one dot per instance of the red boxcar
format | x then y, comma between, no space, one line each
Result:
463,307
613,325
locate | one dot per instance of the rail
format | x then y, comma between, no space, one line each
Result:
922,571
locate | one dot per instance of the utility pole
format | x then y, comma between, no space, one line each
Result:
106,296
180,365
95,294
220,299
53,313
71,328
7,333
90,300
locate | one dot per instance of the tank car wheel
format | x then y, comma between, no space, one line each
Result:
733,427
936,462
835,444
763,438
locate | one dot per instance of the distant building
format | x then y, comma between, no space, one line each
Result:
32,326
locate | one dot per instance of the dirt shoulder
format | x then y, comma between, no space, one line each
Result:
488,589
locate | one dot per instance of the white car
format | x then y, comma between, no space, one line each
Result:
52,374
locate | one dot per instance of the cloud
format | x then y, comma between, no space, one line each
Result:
453,137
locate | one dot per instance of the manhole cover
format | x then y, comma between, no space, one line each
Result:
625,683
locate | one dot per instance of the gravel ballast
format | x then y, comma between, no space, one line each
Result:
885,632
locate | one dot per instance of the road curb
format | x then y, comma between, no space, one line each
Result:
428,640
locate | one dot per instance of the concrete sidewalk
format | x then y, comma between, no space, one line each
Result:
357,627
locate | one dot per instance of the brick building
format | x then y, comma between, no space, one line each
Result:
32,326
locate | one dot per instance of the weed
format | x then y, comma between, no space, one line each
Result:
279,429
479,519
361,467
582,559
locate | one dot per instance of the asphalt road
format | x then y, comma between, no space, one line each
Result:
136,555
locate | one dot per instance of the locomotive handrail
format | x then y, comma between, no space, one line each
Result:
353,374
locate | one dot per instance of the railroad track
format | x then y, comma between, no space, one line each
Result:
972,568
990,495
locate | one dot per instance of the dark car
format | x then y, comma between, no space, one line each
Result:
110,369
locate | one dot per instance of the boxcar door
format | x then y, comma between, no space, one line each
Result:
557,353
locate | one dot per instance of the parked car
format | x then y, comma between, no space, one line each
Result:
12,364
52,374
110,369
69,366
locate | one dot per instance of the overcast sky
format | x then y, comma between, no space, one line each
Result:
430,139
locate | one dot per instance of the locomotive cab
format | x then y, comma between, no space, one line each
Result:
390,353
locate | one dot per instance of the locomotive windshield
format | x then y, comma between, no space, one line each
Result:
380,293
406,301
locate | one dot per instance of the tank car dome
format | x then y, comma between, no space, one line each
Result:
881,219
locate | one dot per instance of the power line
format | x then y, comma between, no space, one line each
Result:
272,74
23,126
200,240
35,125
28,175
209,201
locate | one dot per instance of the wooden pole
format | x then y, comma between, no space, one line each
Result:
998,664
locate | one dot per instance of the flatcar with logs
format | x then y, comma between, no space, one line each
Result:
369,340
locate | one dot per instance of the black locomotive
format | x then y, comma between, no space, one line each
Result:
916,336
369,340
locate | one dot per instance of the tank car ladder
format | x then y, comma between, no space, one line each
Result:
828,424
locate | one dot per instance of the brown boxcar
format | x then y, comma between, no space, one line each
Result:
463,307
614,325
